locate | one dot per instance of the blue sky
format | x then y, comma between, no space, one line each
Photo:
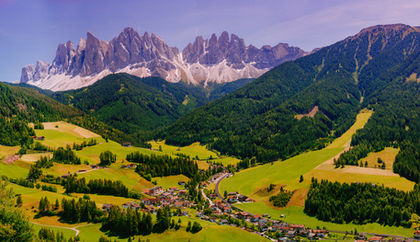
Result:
30,30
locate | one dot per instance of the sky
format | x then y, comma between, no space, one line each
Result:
30,30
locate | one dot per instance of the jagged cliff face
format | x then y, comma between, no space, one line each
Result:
222,59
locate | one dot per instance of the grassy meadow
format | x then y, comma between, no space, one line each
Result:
319,164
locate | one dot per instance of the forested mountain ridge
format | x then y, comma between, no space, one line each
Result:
259,119
20,105
136,105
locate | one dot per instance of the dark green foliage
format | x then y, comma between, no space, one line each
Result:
15,226
96,186
39,147
130,222
22,182
52,179
19,201
84,144
44,162
361,203
281,199
395,123
163,220
107,158
34,172
49,188
107,132
219,90
137,105
44,207
78,211
162,165
66,156
38,126
28,104
195,228
129,103
15,132
48,235
18,106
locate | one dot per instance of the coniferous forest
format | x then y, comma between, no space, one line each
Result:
361,203
155,165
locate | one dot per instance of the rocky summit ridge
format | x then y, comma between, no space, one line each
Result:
217,59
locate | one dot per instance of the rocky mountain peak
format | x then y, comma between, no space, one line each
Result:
149,55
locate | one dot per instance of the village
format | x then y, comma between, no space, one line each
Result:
222,211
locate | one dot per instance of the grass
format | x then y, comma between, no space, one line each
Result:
210,232
170,181
13,171
227,160
127,176
68,233
286,172
397,182
387,155
71,129
194,150
34,157
8,151
92,153
252,182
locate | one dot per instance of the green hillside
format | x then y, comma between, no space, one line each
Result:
271,117
134,104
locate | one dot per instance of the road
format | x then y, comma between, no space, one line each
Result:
217,186
60,227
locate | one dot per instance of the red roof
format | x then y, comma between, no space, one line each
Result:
377,238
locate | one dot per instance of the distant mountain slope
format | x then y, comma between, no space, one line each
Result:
259,119
396,121
20,105
30,105
134,104
215,60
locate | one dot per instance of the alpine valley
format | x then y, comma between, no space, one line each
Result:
135,140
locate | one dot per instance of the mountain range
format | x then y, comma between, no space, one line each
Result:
214,60
303,104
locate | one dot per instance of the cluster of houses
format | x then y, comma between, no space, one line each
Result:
173,197
234,197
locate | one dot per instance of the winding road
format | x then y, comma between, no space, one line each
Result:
61,227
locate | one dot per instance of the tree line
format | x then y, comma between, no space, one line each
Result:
95,186
158,165
361,203
130,222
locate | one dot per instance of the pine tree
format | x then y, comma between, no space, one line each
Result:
19,201
189,226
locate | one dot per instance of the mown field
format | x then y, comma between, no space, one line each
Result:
319,164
